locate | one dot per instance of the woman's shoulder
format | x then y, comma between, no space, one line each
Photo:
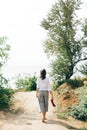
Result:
47,78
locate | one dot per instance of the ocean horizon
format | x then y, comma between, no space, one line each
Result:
12,71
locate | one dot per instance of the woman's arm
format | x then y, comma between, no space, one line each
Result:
52,100
51,93
37,90
37,87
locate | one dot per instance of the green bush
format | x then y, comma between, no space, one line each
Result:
30,84
61,82
80,111
56,84
54,87
26,83
74,83
6,95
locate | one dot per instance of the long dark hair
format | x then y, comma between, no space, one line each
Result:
43,74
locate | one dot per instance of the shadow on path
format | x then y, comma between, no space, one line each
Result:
62,124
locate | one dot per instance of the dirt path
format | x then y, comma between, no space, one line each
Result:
29,117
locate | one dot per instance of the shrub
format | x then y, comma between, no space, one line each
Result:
61,82
74,83
54,87
56,84
30,84
6,95
26,83
80,111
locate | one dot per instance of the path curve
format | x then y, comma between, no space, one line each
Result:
29,118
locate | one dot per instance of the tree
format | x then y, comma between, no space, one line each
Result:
83,69
64,44
6,93
4,49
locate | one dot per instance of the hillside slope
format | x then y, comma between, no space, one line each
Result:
66,97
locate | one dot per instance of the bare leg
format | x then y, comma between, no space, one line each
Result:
43,116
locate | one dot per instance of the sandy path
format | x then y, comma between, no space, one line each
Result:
30,117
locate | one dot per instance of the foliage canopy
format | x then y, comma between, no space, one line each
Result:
6,93
64,45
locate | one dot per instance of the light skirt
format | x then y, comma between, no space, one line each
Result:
43,97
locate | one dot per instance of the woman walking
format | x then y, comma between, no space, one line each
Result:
42,92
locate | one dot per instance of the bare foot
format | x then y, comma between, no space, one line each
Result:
43,120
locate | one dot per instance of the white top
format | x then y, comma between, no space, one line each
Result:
43,84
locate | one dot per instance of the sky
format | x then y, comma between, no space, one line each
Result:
20,22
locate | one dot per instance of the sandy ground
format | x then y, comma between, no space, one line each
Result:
28,116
